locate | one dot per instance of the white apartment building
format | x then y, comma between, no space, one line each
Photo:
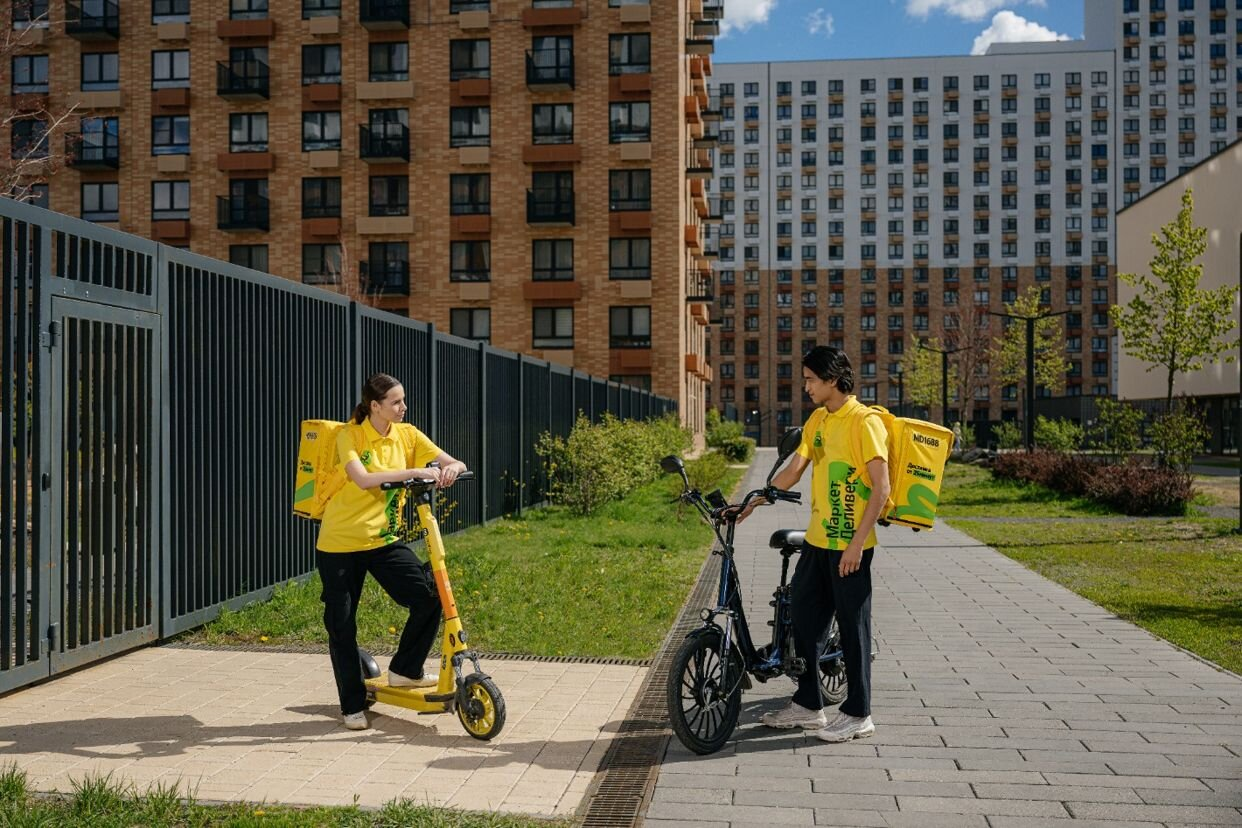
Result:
866,203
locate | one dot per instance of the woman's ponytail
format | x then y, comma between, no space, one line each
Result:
374,389
360,413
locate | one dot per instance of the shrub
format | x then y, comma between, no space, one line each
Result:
1143,490
705,471
1057,435
1118,427
1008,435
726,435
738,450
1178,436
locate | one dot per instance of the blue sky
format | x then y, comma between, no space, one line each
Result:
763,30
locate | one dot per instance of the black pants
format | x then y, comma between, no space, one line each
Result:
817,592
407,581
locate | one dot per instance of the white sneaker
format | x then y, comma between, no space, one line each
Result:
357,721
795,715
847,727
398,680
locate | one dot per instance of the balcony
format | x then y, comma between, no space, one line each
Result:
550,69
713,9
388,144
84,152
378,15
385,278
549,208
243,81
242,212
93,20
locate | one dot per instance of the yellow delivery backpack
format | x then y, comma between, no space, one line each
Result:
917,453
320,474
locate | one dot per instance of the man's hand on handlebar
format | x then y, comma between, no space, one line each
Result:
743,512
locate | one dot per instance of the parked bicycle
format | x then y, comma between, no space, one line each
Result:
704,686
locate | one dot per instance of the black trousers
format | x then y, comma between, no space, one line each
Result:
407,581
817,593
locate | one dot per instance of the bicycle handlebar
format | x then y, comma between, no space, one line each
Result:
415,482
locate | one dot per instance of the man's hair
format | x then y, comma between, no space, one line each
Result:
831,365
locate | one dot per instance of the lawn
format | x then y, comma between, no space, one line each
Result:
1179,578
549,583
103,803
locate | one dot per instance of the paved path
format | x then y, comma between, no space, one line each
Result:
1000,699
256,726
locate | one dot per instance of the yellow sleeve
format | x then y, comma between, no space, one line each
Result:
874,438
346,449
424,450
808,434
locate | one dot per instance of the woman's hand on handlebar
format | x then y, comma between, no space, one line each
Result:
449,474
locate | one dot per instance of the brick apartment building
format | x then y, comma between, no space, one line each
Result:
868,201
529,172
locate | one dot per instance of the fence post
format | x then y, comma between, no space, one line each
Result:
573,397
521,473
433,385
480,473
355,346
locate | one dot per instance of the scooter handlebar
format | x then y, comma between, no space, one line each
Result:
415,482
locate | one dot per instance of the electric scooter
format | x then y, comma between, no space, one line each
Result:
474,696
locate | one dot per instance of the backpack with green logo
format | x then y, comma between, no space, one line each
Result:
917,454
319,473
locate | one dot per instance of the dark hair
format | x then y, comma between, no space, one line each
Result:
831,365
374,389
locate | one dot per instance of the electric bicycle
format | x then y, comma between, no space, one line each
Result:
474,696
715,662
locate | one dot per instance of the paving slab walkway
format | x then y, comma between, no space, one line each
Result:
1001,700
264,726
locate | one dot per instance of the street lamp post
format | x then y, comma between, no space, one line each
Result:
1030,366
944,378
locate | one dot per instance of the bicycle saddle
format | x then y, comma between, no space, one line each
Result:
782,538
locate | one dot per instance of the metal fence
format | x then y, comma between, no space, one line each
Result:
151,399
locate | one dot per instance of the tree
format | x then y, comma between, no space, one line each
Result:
1171,322
922,370
969,331
1008,352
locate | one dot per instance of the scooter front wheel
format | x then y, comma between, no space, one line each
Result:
481,708
703,700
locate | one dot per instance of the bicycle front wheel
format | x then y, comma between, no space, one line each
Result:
704,700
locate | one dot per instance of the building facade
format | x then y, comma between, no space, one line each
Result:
870,204
488,167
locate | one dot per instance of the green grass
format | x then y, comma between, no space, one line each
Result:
549,583
970,491
101,802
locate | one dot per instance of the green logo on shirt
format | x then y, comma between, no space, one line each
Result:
366,457
847,498
819,440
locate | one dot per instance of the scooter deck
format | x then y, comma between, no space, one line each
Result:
413,698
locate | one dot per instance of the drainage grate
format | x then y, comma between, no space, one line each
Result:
627,774
322,649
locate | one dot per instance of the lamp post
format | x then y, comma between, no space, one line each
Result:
944,378
901,390
1030,366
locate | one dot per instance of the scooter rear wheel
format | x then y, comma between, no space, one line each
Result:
481,707
701,708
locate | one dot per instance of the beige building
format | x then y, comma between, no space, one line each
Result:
1215,183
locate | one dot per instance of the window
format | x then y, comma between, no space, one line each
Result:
100,139
471,126
170,69
552,124
629,258
470,194
100,201
629,190
253,256
552,328
175,11
321,131
629,121
29,74
390,195
470,261
248,132
552,260
389,62
629,54
170,135
170,200
321,197
321,263
321,64
629,327
100,71
470,59
387,269
29,138
471,323
320,8
247,9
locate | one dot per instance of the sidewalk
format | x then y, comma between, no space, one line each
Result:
1001,700
265,726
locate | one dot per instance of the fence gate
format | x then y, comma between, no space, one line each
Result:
104,425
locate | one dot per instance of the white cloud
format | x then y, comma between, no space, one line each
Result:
740,15
1008,27
965,9
820,21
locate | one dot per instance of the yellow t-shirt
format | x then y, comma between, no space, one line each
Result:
838,494
359,519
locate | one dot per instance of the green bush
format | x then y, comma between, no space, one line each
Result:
1117,428
1178,436
1057,435
705,471
968,436
726,436
1008,435
604,461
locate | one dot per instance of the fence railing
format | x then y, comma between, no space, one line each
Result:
151,399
